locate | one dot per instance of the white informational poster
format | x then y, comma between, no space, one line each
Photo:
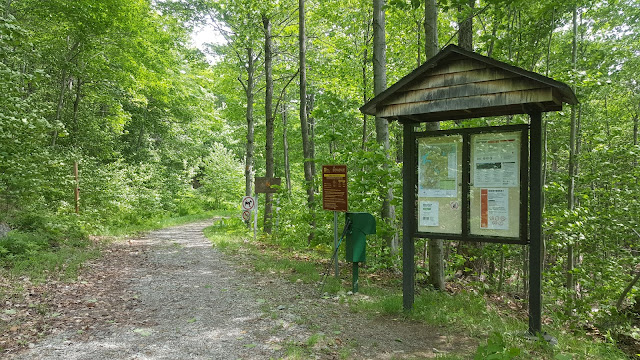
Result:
438,169
428,213
495,161
494,209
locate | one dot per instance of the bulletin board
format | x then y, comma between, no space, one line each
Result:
472,184
440,184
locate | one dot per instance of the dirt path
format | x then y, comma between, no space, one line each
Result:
170,295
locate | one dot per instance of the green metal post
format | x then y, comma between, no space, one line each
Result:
336,268
355,277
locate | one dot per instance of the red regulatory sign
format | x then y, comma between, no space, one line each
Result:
334,187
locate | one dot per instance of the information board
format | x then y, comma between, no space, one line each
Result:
494,191
440,184
334,187
471,184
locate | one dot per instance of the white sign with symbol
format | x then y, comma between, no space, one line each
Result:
246,215
248,203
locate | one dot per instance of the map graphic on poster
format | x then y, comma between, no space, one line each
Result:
437,170
496,162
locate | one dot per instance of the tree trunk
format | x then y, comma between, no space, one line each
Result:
431,28
571,284
382,125
248,88
306,145
465,41
436,248
465,26
635,137
285,148
627,289
63,87
365,82
268,110
76,105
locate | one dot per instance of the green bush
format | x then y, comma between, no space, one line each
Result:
496,349
20,244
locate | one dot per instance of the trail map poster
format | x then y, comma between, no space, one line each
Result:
496,161
438,169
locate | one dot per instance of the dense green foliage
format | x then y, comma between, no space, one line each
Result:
114,87
157,130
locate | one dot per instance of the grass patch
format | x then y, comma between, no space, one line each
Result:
467,314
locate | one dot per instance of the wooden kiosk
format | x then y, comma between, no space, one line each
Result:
478,184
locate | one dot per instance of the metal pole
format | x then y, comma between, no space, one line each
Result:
355,277
77,189
408,217
335,244
535,222
255,219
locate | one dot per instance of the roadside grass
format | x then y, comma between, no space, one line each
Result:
465,313
160,223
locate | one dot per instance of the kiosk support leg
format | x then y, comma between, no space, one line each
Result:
535,223
408,218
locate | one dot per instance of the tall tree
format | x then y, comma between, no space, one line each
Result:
304,126
269,118
237,23
436,246
571,199
382,125
465,25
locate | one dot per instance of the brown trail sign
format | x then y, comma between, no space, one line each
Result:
334,187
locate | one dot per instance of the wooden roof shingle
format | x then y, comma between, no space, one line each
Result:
460,84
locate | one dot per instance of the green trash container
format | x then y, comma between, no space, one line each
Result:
361,224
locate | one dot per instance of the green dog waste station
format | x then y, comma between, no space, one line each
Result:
360,225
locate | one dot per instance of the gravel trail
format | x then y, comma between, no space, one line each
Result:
192,302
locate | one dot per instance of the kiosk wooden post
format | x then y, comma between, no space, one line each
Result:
408,221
